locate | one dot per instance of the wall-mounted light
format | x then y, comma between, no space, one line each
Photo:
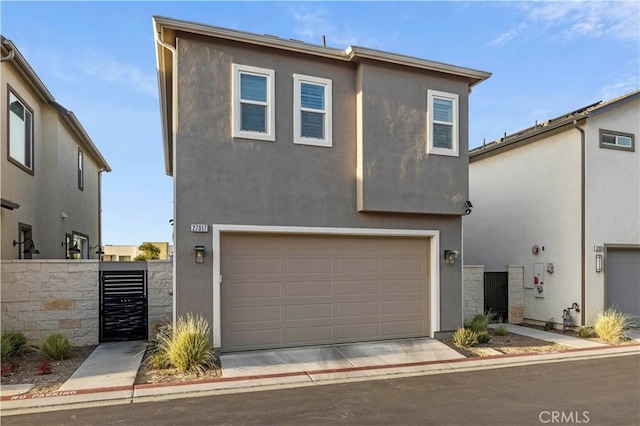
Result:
467,207
199,254
598,263
75,249
29,248
450,256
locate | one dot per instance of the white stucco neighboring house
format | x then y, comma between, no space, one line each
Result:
562,198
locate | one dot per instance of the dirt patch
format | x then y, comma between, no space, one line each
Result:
24,368
509,344
146,374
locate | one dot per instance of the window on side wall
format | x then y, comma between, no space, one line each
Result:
20,122
82,242
442,123
80,170
617,140
312,110
253,110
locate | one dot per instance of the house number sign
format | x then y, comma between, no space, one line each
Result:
199,227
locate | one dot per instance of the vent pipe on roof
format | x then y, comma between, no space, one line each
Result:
324,41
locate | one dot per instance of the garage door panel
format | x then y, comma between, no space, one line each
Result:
357,287
307,266
408,285
308,289
403,328
254,266
623,280
311,334
309,311
404,266
358,331
357,309
324,289
255,313
394,307
256,290
245,339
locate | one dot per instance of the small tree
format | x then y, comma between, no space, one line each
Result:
149,252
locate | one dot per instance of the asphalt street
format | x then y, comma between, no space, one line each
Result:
595,392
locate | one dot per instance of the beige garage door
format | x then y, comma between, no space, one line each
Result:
294,290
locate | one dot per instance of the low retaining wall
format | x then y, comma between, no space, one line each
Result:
40,297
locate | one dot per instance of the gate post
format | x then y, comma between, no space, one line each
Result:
516,294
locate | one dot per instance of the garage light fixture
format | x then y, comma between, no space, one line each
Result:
598,263
199,254
450,256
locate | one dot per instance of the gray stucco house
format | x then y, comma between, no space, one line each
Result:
51,170
316,190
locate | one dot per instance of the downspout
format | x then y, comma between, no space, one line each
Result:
100,211
582,220
9,56
174,132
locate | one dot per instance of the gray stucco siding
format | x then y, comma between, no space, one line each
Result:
225,180
398,174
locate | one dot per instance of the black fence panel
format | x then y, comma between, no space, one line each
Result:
496,294
123,305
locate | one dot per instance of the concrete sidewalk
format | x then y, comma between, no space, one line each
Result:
547,336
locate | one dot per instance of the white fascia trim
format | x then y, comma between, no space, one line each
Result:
455,139
434,264
327,142
270,134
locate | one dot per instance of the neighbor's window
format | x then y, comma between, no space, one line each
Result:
311,110
20,133
81,241
617,140
442,131
80,170
253,103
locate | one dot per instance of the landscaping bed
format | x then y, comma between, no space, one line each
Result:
511,344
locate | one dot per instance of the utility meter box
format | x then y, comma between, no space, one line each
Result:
538,279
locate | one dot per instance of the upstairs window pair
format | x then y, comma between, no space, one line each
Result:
254,106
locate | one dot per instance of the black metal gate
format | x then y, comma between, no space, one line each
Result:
123,305
496,294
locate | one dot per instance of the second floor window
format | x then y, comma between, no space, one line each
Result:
80,170
442,132
253,103
617,140
20,133
312,110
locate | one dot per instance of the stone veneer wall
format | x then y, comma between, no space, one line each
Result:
516,294
160,292
40,297
473,290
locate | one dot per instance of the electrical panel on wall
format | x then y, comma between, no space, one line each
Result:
538,279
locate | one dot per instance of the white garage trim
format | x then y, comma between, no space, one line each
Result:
434,250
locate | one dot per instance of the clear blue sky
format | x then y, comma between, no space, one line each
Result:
98,60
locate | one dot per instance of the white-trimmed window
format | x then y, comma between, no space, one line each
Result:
253,110
442,123
80,170
311,110
617,140
20,133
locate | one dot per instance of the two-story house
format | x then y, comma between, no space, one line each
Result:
51,170
318,192
562,199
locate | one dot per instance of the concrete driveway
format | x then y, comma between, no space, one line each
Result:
319,358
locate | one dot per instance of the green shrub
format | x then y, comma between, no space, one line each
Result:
465,337
480,322
585,332
611,324
501,330
185,346
484,337
56,346
10,344
549,325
